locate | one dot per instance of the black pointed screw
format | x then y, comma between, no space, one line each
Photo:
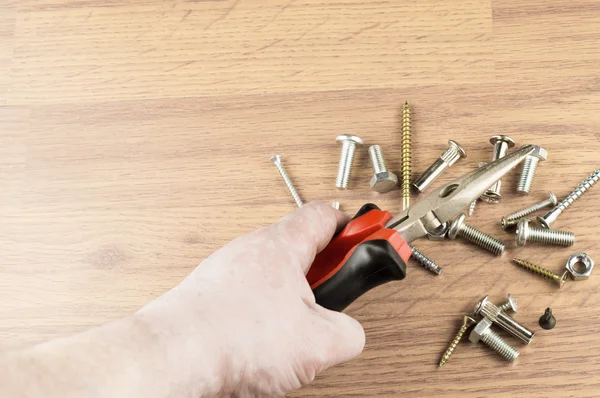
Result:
547,321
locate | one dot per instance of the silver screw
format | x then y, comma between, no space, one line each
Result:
473,235
474,203
427,263
276,160
553,214
513,219
501,144
382,181
335,205
528,171
447,159
527,233
349,143
511,304
483,332
492,312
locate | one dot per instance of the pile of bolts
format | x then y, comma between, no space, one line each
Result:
486,314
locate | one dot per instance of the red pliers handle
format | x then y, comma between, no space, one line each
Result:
362,256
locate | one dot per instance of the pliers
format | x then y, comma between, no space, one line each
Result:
373,248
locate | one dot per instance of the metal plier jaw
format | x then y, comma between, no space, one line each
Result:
447,202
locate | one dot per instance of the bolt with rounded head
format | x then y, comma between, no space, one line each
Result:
492,312
511,304
483,332
349,143
513,219
501,144
383,180
528,171
475,236
276,160
527,233
447,159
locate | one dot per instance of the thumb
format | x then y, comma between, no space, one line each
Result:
344,339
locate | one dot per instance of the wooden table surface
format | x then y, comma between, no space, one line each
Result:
135,139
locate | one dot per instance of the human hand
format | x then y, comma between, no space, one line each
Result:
252,297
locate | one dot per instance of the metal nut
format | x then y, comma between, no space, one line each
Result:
585,260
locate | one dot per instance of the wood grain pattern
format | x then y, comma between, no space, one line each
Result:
136,137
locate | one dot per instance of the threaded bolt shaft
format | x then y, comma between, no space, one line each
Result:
582,188
426,262
349,143
496,343
527,174
377,160
467,322
543,272
276,160
511,304
475,236
527,233
406,155
513,219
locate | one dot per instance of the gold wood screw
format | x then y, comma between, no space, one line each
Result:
467,322
406,156
536,269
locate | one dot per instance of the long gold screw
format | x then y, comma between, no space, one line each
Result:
467,322
406,156
536,269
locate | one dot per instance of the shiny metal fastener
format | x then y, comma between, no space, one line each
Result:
483,332
467,322
382,180
528,172
489,310
501,144
349,143
553,214
475,236
513,219
276,160
426,262
447,159
543,272
527,233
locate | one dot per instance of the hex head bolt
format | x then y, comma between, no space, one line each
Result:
276,160
492,312
483,332
383,180
475,236
513,219
528,170
582,188
447,159
467,322
426,262
349,143
527,233
501,144
543,272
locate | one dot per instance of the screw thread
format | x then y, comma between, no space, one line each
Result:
551,237
496,343
453,344
527,174
426,262
406,155
505,307
536,269
472,207
286,179
582,188
345,165
481,239
514,218
377,160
